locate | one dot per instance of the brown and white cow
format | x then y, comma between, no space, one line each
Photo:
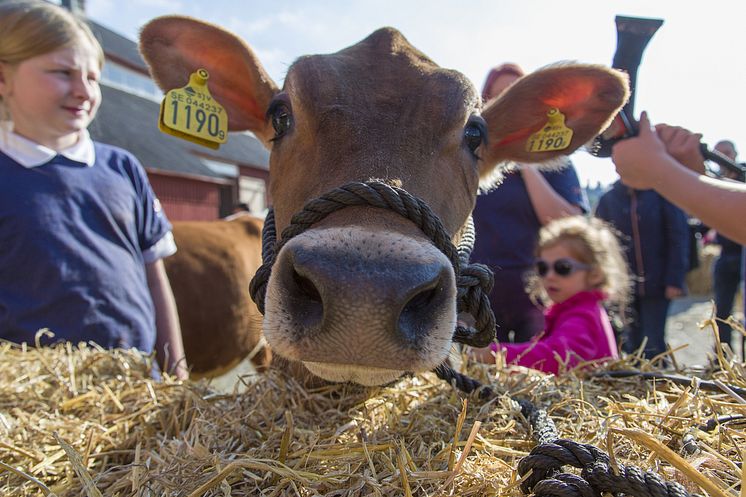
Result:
210,275
364,295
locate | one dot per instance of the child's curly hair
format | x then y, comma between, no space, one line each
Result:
593,242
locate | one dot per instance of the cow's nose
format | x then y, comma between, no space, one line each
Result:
384,297
340,290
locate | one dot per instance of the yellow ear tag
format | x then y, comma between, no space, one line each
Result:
192,114
553,136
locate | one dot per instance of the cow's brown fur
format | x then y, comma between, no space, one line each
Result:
363,295
210,276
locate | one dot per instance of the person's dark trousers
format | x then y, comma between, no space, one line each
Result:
726,276
518,318
648,321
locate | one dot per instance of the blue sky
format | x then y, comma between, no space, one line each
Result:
693,72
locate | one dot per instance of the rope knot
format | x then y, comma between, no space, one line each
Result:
546,460
475,282
476,275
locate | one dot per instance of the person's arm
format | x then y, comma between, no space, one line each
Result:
643,162
168,343
572,340
546,202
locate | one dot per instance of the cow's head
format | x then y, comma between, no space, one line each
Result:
364,295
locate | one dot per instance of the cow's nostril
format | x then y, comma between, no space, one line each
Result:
305,304
420,301
419,313
306,287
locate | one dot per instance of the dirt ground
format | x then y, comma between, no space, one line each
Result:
682,329
685,313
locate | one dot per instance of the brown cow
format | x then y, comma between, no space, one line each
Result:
364,295
210,276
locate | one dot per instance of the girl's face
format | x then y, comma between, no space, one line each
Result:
53,97
561,287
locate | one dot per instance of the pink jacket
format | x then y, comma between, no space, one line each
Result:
577,330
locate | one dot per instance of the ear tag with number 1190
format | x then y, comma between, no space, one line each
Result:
554,135
192,114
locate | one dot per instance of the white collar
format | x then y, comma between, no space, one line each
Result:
30,154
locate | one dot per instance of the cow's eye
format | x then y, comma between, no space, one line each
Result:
475,133
281,118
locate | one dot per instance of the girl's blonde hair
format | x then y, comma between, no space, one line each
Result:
35,27
592,242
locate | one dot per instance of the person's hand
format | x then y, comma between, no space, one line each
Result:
673,292
683,145
636,159
179,370
484,355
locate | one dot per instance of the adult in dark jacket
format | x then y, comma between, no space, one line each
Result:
654,235
727,269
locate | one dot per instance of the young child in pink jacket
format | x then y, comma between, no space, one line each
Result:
579,265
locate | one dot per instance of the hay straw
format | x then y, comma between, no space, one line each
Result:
462,457
30,478
743,476
80,470
674,459
128,435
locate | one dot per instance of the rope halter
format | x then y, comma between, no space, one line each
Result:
473,281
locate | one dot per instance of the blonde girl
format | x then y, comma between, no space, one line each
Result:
81,233
579,266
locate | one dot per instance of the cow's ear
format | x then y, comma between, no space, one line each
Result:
175,46
587,97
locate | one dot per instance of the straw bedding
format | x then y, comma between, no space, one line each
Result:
84,421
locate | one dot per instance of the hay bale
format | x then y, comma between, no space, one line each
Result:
419,436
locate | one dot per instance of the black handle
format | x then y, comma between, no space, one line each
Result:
723,161
633,35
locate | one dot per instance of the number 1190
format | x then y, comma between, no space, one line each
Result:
200,116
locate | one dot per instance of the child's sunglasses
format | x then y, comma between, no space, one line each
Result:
563,267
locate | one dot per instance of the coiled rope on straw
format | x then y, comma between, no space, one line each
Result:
552,453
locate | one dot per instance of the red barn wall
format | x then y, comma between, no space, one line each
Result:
186,199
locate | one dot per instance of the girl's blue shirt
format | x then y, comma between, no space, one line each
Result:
74,241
